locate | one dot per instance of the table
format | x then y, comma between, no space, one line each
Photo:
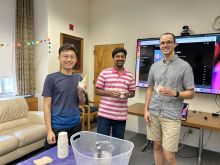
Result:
195,119
52,153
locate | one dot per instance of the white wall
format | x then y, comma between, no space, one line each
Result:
7,36
41,50
53,17
60,15
124,21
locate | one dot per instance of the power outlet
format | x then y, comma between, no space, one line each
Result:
189,130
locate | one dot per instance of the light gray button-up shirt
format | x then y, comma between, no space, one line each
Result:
177,75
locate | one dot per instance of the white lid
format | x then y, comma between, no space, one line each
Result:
62,135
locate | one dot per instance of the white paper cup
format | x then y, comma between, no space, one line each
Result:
123,94
158,88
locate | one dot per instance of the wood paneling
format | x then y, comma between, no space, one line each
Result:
32,103
103,59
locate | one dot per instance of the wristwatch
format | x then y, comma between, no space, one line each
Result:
177,94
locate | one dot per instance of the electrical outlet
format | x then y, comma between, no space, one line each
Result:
189,130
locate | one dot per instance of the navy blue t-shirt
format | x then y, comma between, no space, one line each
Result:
65,103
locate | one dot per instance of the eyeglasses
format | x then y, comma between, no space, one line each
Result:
167,43
67,57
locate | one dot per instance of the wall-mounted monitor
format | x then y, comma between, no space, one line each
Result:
201,51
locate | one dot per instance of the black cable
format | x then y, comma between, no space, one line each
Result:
182,140
207,139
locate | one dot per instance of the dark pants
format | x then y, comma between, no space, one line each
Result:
105,125
70,132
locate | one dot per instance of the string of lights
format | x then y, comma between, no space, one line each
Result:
28,43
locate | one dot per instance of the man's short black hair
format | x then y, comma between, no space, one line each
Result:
168,33
118,50
67,47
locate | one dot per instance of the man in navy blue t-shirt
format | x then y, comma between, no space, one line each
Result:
62,97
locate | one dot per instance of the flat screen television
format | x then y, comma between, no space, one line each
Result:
201,51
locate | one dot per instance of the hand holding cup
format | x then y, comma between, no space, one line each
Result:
123,94
82,86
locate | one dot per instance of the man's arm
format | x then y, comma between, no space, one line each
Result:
187,94
147,116
47,118
131,94
149,93
47,113
81,95
108,93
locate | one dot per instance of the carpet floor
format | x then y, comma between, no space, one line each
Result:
187,155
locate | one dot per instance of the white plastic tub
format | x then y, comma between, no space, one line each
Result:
91,148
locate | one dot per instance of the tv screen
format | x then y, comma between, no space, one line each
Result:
201,51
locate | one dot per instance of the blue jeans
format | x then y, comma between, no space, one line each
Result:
105,125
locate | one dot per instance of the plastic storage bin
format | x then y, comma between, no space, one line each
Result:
91,148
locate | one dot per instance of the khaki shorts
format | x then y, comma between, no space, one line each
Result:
165,130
